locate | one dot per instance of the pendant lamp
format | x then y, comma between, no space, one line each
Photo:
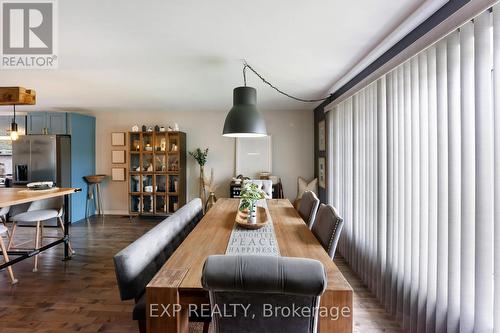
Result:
14,135
244,120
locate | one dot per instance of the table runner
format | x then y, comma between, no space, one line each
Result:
258,242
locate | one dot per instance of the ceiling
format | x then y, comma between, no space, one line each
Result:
186,55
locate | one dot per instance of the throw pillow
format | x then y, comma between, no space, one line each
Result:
302,186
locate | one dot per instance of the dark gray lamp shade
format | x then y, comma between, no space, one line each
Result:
244,120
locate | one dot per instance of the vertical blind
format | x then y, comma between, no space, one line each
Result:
415,172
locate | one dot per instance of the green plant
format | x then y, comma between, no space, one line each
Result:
249,194
200,155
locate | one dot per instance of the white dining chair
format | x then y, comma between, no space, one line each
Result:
265,185
3,218
38,213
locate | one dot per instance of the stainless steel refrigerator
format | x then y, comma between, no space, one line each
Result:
37,158
64,159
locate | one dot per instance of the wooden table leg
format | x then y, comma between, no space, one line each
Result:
336,312
13,280
67,253
164,312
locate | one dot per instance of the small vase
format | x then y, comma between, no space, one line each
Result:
252,214
203,196
212,199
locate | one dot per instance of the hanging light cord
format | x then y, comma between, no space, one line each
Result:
14,113
246,65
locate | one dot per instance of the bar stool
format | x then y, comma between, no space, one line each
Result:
38,213
3,231
93,185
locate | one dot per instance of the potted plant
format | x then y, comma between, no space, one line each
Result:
201,157
250,193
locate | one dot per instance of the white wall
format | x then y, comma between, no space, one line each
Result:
292,139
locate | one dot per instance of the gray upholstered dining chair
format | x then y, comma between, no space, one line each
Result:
327,228
308,207
3,231
265,185
262,284
39,212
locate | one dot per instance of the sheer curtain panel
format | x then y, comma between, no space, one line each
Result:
414,162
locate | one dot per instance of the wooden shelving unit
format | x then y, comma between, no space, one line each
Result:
157,172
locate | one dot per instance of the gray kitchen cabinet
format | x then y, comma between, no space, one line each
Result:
47,123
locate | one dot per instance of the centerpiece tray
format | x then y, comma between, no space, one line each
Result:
261,215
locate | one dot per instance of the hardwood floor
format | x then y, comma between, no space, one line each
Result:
369,315
81,295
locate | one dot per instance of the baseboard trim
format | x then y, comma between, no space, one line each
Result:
115,212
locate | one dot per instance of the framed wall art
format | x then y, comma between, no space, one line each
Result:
322,172
322,135
118,174
118,139
253,156
118,157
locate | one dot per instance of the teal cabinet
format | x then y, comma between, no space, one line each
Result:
36,123
82,130
47,123
57,123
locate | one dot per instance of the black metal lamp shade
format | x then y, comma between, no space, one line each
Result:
244,120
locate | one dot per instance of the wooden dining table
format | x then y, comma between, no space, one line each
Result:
178,283
11,196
